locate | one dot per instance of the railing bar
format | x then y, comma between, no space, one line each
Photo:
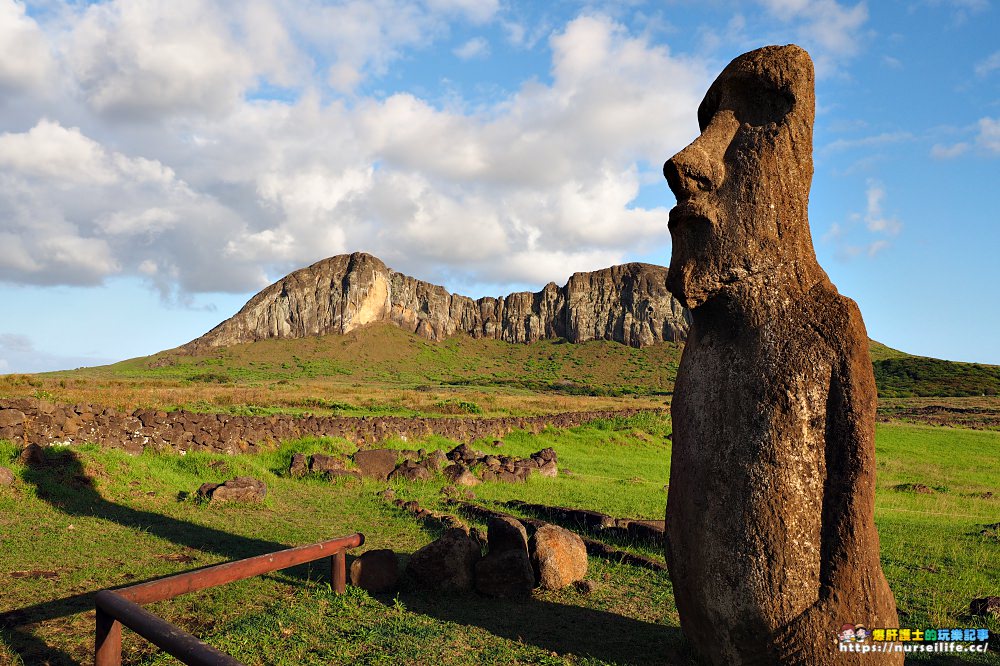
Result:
177,642
192,581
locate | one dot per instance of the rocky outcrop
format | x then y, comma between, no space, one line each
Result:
240,489
628,304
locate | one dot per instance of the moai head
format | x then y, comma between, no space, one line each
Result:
742,186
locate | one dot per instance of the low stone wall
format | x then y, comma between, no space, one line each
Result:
32,421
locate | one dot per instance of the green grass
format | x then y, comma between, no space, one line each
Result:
96,518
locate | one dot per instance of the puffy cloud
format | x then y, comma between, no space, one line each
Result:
26,63
144,58
941,151
875,218
209,189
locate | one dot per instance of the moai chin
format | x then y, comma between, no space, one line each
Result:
771,536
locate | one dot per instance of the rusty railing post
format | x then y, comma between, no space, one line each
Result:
108,641
338,562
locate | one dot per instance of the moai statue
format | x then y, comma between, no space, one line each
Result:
771,538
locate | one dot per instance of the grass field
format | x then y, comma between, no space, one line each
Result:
94,518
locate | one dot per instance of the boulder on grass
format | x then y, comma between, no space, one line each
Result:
240,489
558,556
461,475
6,477
376,463
505,574
298,466
376,571
411,471
32,455
446,564
322,463
505,534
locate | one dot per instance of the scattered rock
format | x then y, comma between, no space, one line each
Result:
559,557
240,489
549,470
585,586
505,534
446,564
6,477
505,574
376,463
985,606
320,463
298,467
914,488
388,494
376,571
410,471
461,475
32,456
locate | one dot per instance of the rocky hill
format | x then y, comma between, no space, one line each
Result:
629,304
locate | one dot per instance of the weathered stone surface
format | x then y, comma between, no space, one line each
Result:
770,530
298,466
411,472
506,534
376,463
558,556
7,477
11,417
32,455
446,564
505,574
239,489
628,303
376,571
460,475
321,463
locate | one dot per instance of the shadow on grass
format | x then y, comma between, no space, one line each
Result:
560,628
62,482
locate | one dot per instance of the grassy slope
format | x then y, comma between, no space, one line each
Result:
384,369
128,525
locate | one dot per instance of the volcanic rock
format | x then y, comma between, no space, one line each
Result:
32,456
446,564
298,466
771,539
558,556
376,463
628,304
376,571
239,489
7,477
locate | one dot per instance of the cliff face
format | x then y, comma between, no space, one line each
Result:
628,304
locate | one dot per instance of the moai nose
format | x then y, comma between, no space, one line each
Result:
691,171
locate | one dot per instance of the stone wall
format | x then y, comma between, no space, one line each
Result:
32,421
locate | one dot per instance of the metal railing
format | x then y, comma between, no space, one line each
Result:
122,606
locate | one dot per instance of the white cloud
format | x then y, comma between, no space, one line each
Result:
26,62
477,47
988,65
868,233
207,190
875,218
146,58
477,11
989,134
830,30
941,151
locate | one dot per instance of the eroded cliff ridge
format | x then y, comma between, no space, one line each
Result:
629,304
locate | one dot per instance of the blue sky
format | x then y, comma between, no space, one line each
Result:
163,160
